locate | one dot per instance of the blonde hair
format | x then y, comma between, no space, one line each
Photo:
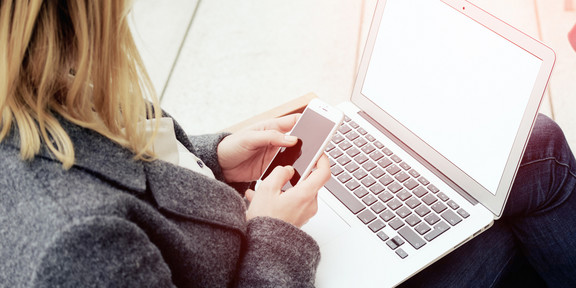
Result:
76,58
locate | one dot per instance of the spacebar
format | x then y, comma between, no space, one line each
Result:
344,195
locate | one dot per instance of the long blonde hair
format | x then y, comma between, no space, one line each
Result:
76,58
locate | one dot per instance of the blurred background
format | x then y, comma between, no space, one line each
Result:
215,63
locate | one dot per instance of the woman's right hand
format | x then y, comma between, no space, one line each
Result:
295,205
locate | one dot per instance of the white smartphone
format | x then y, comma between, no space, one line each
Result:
314,129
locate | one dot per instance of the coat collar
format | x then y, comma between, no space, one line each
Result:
175,189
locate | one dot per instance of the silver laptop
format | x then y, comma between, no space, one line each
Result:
440,115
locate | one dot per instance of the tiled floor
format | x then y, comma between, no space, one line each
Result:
218,62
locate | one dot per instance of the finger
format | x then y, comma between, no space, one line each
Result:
277,178
258,139
318,177
283,124
249,194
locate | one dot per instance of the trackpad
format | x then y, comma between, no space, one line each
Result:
326,225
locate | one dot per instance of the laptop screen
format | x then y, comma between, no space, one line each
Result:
458,86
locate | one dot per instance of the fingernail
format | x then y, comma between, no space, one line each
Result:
290,139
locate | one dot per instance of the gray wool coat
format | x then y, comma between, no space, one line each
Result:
111,221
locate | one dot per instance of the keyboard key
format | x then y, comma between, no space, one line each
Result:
366,216
384,162
386,180
394,204
353,124
378,207
411,237
422,210
451,217
438,230
352,135
329,147
422,228
353,204
382,236
344,129
395,158
412,220
368,166
346,119
432,219
385,197
423,180
401,253
378,144
393,169
453,205
377,189
377,173
438,207
403,212
361,131
335,153
352,152
405,166
387,151
396,223
411,184
368,149
368,181
420,191
387,215
359,174
463,213
351,167
360,159
413,202
337,138
370,138
414,173
360,192
376,155
360,142
344,145
443,196
369,199
376,226
402,176
351,185
343,160
403,194
433,188
337,170
429,199
344,177
395,187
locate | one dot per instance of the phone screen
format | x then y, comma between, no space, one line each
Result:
311,130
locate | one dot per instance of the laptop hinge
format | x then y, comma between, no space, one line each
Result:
419,158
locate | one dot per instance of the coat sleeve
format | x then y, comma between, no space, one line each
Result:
278,254
102,252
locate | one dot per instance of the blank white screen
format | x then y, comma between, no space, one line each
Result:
455,84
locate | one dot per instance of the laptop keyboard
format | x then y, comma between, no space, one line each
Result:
384,191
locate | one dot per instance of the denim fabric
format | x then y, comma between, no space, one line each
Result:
537,232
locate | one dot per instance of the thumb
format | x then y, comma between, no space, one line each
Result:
249,194
272,138
276,180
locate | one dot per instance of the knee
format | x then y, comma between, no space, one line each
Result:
547,137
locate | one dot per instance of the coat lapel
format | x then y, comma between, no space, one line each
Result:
176,190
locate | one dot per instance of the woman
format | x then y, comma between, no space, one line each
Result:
97,187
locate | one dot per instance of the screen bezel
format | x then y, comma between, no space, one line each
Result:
457,177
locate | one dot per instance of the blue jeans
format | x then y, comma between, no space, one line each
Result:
537,233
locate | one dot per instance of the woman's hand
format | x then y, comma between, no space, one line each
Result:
295,205
244,155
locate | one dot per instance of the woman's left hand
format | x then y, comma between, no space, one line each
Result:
244,155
